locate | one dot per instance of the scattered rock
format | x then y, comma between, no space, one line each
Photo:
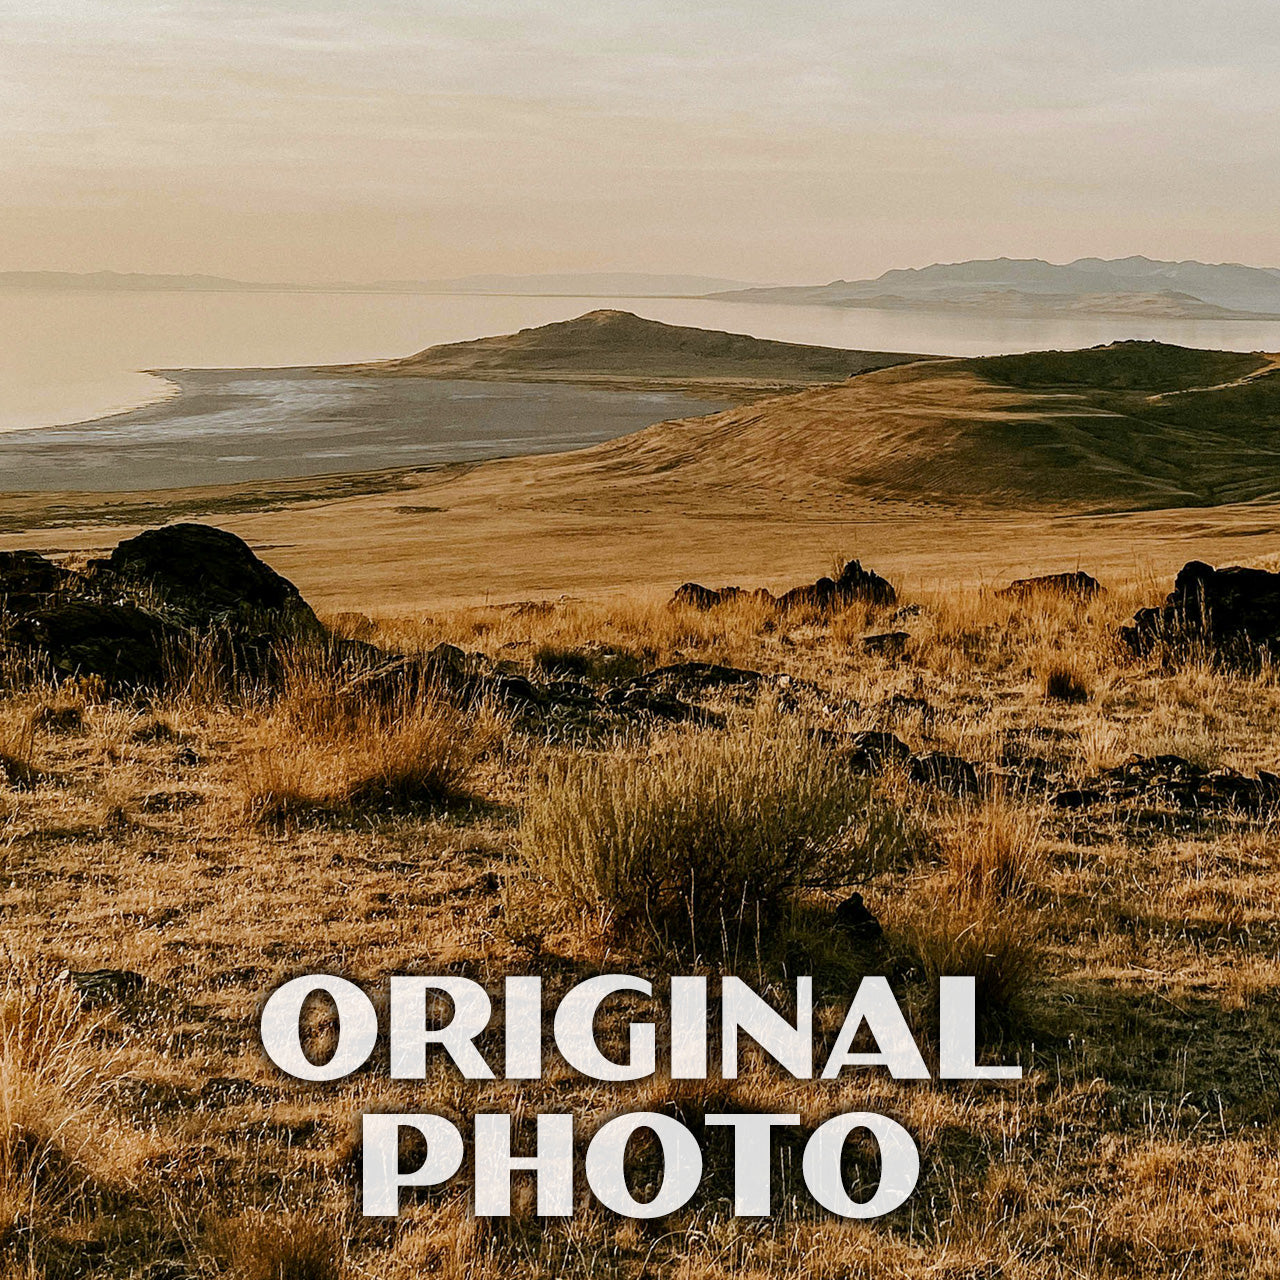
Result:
1078,798
1234,611
888,643
853,916
947,773
1174,780
698,675
854,583
1077,585
105,986
873,750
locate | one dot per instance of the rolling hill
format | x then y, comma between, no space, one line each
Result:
616,346
1132,425
942,470
1029,286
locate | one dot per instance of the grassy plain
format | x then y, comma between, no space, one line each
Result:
1129,953
217,840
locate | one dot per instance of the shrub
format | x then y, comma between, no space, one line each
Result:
700,826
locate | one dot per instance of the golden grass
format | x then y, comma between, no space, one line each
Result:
1125,955
17,749
323,750
284,1246
52,1096
698,831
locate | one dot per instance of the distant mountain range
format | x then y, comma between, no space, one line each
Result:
1029,286
611,284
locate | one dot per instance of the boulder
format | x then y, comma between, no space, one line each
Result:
209,576
120,643
1234,612
1077,585
26,577
125,618
857,920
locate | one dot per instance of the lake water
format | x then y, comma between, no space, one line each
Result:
70,357
74,357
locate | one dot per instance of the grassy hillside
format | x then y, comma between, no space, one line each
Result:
1133,425
1122,366
615,345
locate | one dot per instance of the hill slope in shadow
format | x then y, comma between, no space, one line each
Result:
1127,426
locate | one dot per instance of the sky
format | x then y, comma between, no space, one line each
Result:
761,140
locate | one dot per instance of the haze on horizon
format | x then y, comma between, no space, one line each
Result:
754,139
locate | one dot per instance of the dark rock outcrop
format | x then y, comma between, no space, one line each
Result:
207,576
26,577
1233,612
1174,781
119,643
854,584
1077,585
704,598
947,773
127,619
875,750
857,920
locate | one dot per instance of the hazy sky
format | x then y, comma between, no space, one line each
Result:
758,139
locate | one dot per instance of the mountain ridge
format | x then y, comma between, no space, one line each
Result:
1133,286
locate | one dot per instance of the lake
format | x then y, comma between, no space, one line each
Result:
75,357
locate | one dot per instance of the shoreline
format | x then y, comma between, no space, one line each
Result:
278,425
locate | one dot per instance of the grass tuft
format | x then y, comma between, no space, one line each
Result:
321,750
295,1246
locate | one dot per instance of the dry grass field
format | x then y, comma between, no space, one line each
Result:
219,839
1086,831
1122,460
